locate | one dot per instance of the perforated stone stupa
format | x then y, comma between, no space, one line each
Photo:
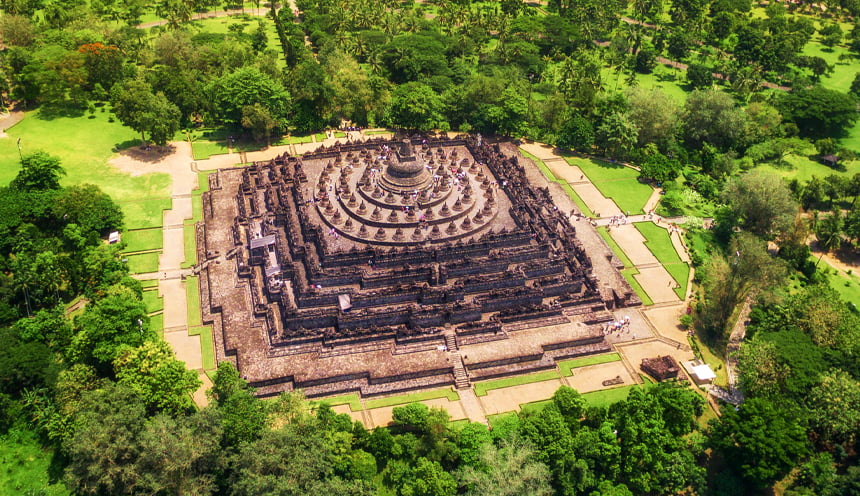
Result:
387,266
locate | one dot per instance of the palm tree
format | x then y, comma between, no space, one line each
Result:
829,233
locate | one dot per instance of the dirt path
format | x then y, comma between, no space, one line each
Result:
8,120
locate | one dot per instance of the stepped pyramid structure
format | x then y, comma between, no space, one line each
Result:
392,265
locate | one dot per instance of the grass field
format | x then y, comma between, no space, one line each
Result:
203,149
143,214
567,366
670,80
351,399
84,146
156,323
192,295
143,263
153,302
847,285
628,274
481,388
606,397
189,241
143,239
207,346
405,399
149,283
25,467
660,245
615,181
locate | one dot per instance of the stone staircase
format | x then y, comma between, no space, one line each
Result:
461,377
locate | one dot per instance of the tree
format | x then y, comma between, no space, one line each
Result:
655,115
243,415
157,377
730,279
616,135
89,207
829,232
425,478
39,171
835,407
137,107
818,112
758,440
700,76
104,446
259,121
658,167
109,324
508,470
298,458
179,455
831,34
577,133
761,201
246,86
712,117
415,105
570,404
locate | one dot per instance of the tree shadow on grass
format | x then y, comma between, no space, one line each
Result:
51,112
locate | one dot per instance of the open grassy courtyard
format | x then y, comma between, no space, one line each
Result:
84,146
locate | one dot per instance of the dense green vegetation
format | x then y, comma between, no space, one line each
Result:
102,392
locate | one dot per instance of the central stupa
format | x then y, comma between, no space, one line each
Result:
404,172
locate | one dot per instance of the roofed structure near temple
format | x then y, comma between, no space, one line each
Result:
386,266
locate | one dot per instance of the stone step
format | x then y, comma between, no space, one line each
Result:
451,342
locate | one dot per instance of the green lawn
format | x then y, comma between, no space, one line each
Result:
481,388
192,295
847,285
207,346
143,239
843,72
143,262
658,242
615,181
601,170
405,399
351,399
606,397
802,168
156,323
628,274
189,241
26,466
567,366
142,214
368,133
84,146
149,283
604,233
203,149
301,139
153,302
668,79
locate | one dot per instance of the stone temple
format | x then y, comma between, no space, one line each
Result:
392,265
